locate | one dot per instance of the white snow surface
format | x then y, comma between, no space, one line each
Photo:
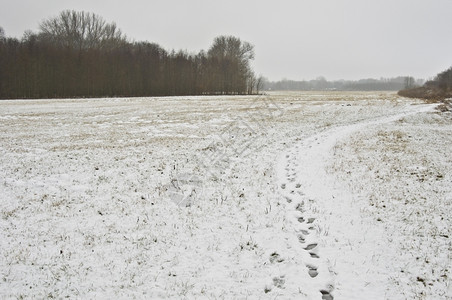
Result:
327,195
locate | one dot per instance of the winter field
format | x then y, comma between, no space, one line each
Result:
328,195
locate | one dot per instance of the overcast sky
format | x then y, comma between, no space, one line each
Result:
294,39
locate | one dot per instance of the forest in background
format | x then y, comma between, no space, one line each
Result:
79,54
321,84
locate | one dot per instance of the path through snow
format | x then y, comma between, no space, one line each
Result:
179,198
330,226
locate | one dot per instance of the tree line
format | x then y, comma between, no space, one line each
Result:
321,84
442,81
439,88
79,54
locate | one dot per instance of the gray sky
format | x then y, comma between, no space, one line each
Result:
294,39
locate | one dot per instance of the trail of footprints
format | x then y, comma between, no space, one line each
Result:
306,236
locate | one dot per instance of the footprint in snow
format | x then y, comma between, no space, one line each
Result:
301,238
310,246
275,257
326,295
312,271
299,207
283,186
279,281
314,255
311,220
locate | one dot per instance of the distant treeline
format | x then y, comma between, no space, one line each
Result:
321,84
439,88
78,54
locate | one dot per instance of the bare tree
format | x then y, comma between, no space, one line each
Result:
2,33
409,82
251,84
259,83
231,57
81,30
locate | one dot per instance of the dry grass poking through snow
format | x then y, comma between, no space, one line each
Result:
402,173
86,212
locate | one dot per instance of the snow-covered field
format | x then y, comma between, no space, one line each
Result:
285,196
